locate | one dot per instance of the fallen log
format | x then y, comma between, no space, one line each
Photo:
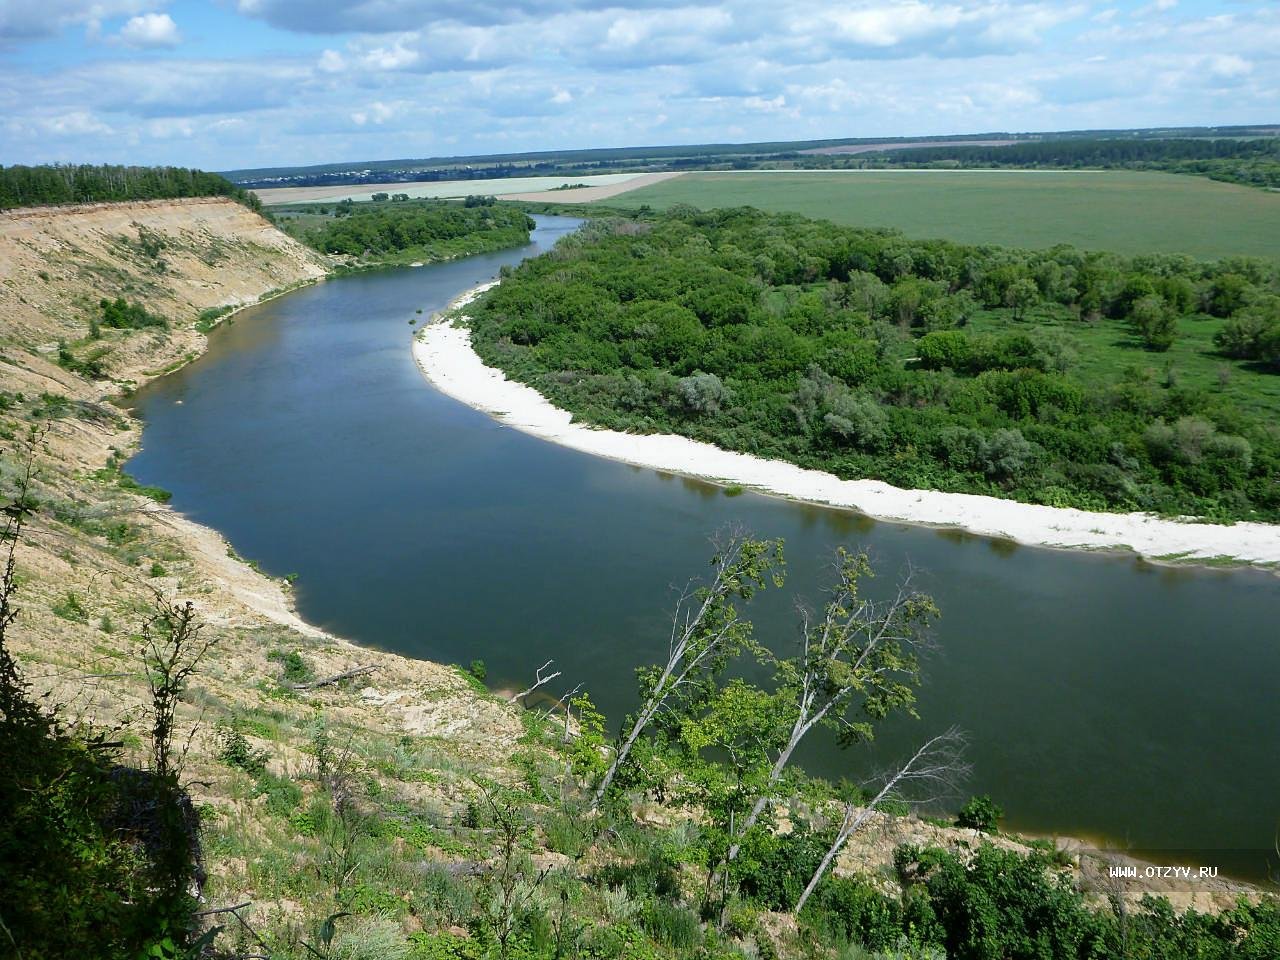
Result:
336,678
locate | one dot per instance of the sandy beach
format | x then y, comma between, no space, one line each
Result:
443,353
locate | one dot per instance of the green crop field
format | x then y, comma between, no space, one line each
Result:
1105,210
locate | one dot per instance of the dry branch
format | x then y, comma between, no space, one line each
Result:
336,678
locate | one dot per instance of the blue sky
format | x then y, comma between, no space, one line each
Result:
246,83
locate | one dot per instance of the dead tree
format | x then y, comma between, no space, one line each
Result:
937,765
706,633
172,650
538,681
861,657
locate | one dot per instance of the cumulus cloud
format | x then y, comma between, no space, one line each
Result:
331,61
36,19
391,16
418,78
150,30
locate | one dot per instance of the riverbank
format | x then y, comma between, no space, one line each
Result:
444,354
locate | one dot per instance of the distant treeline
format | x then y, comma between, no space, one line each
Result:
86,183
1255,162
706,156
436,227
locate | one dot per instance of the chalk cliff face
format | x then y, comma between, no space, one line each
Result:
176,257
96,553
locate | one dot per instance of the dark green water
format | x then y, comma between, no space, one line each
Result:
1103,697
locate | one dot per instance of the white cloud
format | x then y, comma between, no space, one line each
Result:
331,61
148,31
393,57
1229,65
545,75
35,19
75,123
376,112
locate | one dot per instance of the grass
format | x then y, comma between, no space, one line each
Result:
1122,211
1102,348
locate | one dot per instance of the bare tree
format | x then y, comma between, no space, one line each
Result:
859,656
936,766
13,698
172,649
538,680
705,633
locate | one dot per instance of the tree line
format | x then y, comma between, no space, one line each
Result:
385,229
1255,162
23,186
922,363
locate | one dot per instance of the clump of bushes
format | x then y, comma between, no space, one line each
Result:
120,314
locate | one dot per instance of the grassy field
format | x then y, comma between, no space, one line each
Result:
1107,210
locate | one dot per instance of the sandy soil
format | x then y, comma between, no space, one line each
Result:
443,352
589,194
178,257
54,265
504,187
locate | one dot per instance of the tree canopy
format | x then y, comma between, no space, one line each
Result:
22,186
1040,376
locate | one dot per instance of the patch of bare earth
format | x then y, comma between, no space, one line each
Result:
591,194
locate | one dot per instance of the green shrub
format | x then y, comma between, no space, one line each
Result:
235,750
120,314
845,910
71,608
672,925
980,813
296,669
283,795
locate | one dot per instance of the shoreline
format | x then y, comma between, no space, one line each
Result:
446,359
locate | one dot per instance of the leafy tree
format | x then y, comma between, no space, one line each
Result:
1154,322
706,635
980,813
1021,295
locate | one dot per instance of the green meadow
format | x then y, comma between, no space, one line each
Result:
1122,211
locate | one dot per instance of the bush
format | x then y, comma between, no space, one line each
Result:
235,750
672,925
123,315
702,393
846,910
296,669
71,608
980,813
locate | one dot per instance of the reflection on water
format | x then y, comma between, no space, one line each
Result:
1101,695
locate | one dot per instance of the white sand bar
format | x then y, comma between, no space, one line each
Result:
443,352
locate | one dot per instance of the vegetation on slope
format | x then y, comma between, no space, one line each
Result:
410,815
1056,377
398,231
329,838
22,186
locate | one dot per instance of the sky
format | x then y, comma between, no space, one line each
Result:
228,84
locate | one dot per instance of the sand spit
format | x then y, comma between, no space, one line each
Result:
444,354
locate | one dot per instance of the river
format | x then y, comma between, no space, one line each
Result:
1103,696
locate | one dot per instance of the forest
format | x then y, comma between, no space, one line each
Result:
400,229
22,186
1060,377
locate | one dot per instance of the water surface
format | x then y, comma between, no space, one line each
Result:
1103,696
